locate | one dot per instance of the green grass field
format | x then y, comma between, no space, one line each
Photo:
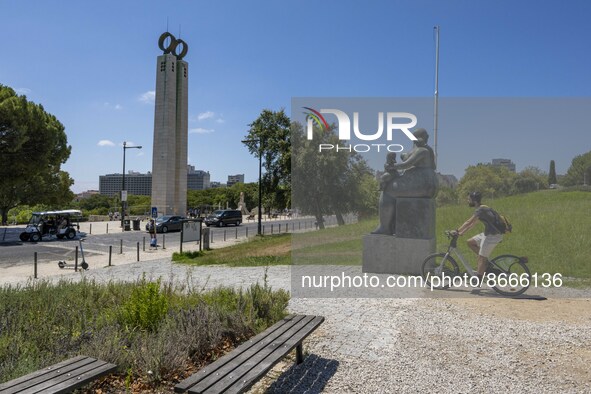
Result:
259,251
552,228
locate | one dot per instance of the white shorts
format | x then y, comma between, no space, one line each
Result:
487,243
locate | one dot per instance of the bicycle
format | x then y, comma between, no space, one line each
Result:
507,274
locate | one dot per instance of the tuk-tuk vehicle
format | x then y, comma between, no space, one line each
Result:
52,223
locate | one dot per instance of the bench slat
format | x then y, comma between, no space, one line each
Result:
51,372
260,369
60,378
100,368
247,360
278,328
12,383
240,356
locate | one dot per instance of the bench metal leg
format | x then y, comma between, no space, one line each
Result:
299,353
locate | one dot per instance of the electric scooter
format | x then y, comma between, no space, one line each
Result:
83,265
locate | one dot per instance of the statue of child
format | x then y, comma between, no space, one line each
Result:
391,171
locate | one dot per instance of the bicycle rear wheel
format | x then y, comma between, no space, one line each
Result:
439,265
511,275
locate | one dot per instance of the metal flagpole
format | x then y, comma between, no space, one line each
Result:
436,112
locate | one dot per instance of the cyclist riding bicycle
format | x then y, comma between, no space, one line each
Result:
484,243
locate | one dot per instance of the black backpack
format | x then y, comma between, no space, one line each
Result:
501,223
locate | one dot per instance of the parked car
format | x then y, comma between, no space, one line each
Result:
168,223
223,218
52,223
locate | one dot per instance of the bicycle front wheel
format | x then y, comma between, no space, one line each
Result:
439,265
510,275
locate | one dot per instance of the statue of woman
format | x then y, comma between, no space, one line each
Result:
418,180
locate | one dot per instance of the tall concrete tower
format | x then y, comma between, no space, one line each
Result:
169,160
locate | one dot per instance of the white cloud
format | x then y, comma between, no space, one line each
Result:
105,143
220,120
116,107
22,91
149,97
200,130
205,115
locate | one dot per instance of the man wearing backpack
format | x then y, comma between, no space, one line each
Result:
483,244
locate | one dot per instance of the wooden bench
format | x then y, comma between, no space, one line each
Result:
63,377
238,370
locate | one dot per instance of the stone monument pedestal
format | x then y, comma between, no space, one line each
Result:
415,218
387,254
404,252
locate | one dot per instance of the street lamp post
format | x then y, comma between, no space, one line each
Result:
125,147
260,210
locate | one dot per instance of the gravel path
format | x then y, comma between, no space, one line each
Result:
409,345
429,345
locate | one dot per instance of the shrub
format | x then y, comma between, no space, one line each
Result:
268,306
446,196
146,307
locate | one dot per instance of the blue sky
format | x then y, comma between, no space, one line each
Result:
93,65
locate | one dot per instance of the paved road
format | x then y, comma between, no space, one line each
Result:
13,252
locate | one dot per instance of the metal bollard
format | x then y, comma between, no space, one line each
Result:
76,260
138,251
271,228
263,230
110,253
120,246
107,228
90,231
247,232
163,241
35,265
181,243
224,235
205,235
236,232
212,237
144,245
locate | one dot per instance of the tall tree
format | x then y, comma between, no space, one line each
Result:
33,146
269,136
490,180
330,182
579,170
552,174
529,180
